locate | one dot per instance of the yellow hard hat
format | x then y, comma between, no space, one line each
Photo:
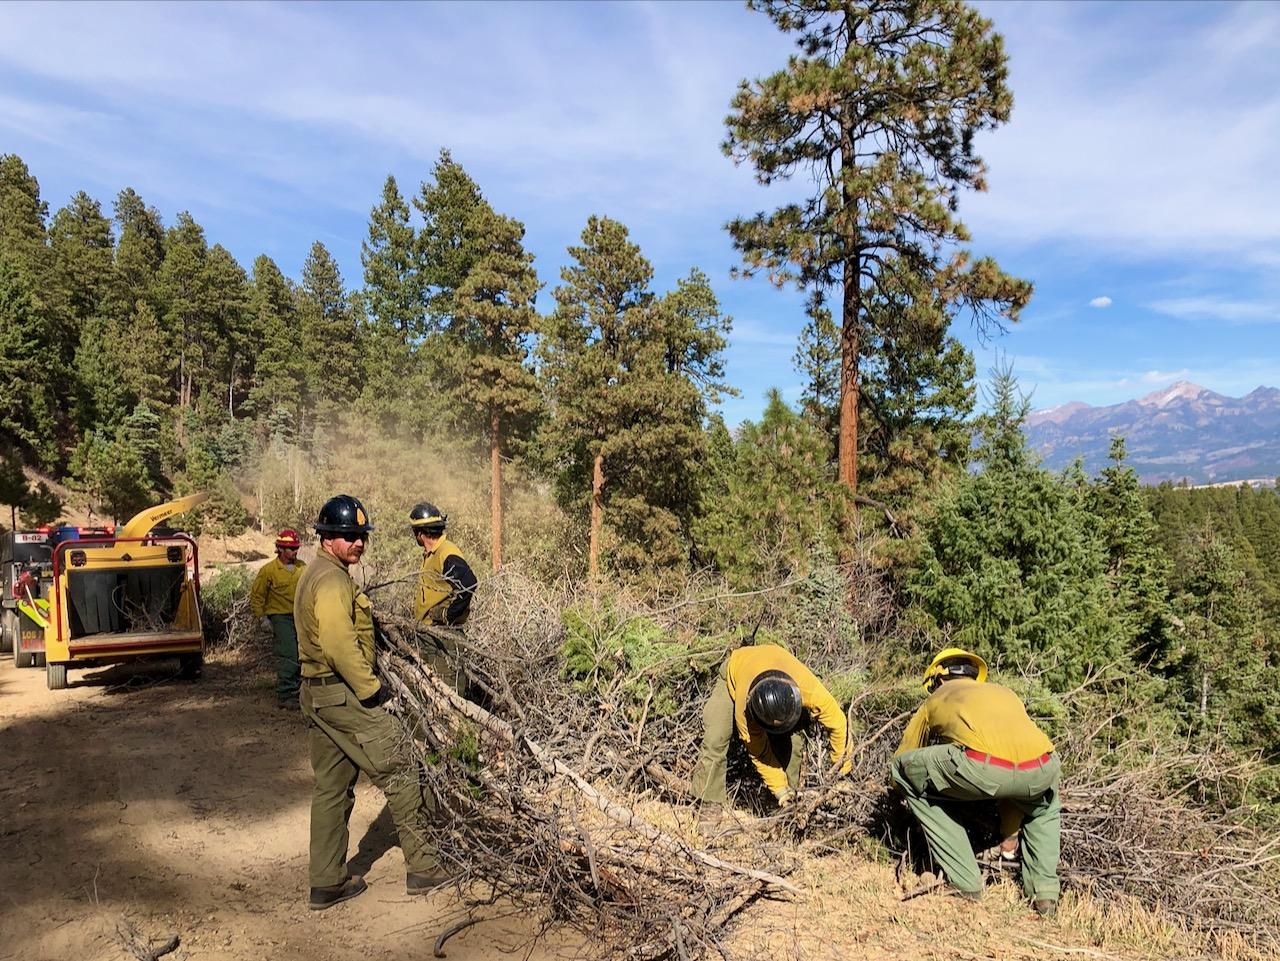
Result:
935,672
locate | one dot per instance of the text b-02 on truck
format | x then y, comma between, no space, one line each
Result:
116,596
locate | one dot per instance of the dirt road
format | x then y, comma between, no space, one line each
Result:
182,808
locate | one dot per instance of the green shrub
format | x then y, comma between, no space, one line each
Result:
606,651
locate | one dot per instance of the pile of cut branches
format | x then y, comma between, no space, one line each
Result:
1135,831
540,775
518,819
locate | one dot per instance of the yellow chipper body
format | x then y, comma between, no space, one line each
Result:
119,596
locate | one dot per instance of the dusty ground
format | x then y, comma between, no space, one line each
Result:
182,807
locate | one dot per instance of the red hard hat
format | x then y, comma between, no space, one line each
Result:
288,538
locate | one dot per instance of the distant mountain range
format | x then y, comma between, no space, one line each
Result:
1184,431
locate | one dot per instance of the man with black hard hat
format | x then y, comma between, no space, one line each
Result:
973,741
347,729
446,582
767,696
446,585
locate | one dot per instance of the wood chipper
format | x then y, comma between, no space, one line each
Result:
115,597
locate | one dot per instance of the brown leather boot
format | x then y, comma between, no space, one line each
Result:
331,894
424,882
1045,908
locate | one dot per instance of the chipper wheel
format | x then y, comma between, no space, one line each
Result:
55,676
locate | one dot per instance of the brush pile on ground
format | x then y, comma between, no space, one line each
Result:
531,777
541,769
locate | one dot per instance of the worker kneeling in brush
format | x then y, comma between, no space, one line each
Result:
990,750
769,698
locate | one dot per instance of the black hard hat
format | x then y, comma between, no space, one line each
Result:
426,518
343,514
774,701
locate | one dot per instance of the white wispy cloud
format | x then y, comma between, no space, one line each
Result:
1225,309
1138,156
1100,302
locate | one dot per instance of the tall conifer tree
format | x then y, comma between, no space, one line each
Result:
494,318
279,392
880,107
393,312
330,349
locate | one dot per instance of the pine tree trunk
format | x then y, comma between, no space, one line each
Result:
495,492
851,307
597,517
849,348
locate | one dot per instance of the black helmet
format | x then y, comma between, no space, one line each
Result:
343,514
426,518
774,701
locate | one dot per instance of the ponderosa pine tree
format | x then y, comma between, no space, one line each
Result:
494,318
447,203
26,382
82,250
27,315
23,231
628,375
880,107
587,354
234,336
139,254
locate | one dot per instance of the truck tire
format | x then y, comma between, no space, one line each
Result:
56,676
190,666
8,633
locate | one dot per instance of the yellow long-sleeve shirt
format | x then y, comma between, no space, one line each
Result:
985,717
274,587
335,626
748,663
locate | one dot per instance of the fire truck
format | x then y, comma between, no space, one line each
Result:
91,596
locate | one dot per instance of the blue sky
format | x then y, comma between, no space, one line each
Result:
1136,184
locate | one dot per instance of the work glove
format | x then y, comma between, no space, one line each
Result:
265,623
380,698
788,797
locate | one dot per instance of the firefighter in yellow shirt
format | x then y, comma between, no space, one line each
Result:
767,697
973,741
446,585
348,731
271,597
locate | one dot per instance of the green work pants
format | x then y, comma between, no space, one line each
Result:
345,738
718,730
930,777
285,648
440,651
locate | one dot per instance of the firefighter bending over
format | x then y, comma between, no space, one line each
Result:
769,698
